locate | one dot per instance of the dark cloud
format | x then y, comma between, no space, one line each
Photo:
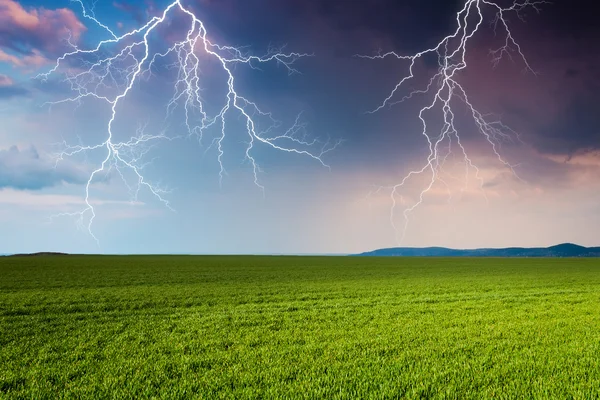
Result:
559,42
409,25
571,19
26,170
576,129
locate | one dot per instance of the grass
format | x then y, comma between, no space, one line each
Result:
298,327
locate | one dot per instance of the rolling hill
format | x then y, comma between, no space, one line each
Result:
560,250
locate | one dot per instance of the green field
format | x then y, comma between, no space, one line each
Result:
298,327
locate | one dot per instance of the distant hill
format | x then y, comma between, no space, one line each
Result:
45,253
560,250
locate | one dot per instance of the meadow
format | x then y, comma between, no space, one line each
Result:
211,327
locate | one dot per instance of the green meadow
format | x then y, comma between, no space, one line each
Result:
179,327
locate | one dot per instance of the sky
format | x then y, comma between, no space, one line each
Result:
319,175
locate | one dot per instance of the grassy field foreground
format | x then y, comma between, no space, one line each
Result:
298,327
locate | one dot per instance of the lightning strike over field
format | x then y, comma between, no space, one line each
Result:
444,86
109,72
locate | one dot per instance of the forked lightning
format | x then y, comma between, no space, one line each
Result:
445,88
96,73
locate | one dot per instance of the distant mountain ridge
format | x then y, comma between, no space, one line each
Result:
560,250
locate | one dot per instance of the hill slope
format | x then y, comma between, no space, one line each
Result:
560,250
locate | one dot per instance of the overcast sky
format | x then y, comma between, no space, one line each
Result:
549,195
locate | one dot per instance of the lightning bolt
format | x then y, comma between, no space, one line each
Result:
110,78
446,89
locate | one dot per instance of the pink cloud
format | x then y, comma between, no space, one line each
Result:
29,36
35,59
5,80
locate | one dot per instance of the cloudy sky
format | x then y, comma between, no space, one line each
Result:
544,188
